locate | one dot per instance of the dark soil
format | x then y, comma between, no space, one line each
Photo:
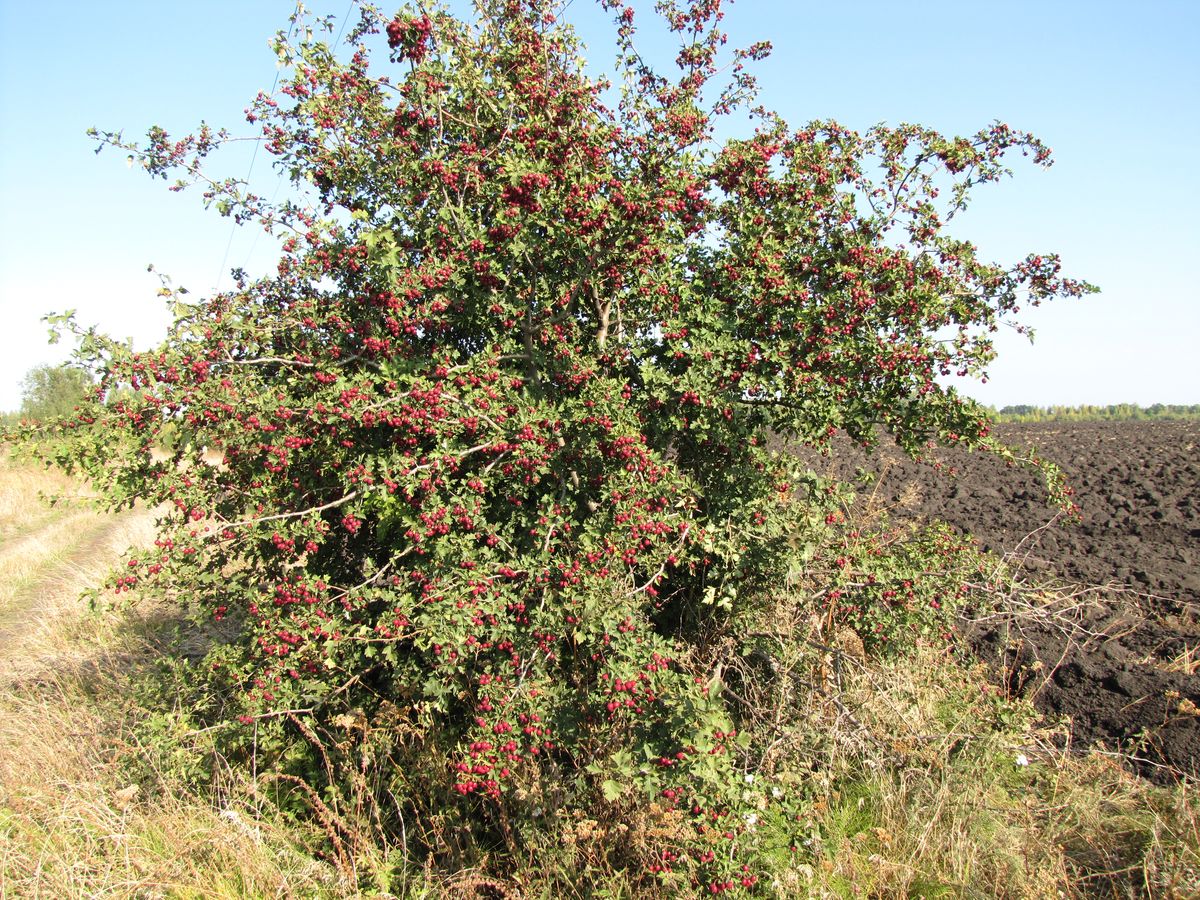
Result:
1116,648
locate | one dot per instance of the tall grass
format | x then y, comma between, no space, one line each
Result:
927,782
22,489
72,822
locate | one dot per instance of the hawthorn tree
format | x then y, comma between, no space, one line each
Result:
495,435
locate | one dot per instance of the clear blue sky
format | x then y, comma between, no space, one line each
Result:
1111,86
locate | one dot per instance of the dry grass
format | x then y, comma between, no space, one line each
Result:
41,544
1187,661
71,824
42,577
21,488
914,776
27,559
925,782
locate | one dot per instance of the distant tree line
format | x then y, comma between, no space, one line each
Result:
1120,412
49,392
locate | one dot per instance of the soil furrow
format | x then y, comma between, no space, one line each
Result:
1118,653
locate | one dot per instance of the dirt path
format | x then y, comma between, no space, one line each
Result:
46,572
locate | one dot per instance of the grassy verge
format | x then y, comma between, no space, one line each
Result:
71,824
897,777
31,566
926,782
74,821
21,487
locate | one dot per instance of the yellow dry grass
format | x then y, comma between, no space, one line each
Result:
1186,661
45,625
71,823
22,511
47,555
71,826
921,786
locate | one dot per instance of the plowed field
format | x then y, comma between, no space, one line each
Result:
1117,648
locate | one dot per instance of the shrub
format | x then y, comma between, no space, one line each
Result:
495,479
